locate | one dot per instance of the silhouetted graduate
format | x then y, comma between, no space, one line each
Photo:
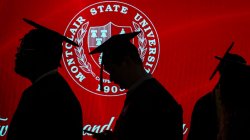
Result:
223,114
48,109
149,111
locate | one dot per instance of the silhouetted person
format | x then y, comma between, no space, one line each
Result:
48,109
149,111
224,113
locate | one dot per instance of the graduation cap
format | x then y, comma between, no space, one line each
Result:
57,36
116,47
228,58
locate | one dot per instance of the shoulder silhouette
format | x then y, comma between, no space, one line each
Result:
48,109
149,111
223,113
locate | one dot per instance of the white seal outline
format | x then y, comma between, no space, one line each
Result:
111,2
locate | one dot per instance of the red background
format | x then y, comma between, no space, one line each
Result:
190,32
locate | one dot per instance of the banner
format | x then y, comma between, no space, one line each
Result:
178,43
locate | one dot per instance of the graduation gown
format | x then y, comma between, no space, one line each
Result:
210,122
204,125
48,110
149,113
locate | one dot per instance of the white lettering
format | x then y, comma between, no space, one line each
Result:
148,28
124,10
80,20
100,8
152,42
93,11
92,128
148,64
147,70
76,25
107,89
152,50
98,128
151,59
144,24
185,129
116,7
86,127
137,17
74,69
68,46
73,30
71,38
70,61
80,76
148,67
3,128
109,8
107,126
68,53
150,34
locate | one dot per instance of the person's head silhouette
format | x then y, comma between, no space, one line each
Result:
233,70
40,51
120,59
231,65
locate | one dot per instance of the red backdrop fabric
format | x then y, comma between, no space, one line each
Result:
190,34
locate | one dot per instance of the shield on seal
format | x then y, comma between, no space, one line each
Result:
99,34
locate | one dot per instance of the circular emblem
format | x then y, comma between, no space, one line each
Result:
92,26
